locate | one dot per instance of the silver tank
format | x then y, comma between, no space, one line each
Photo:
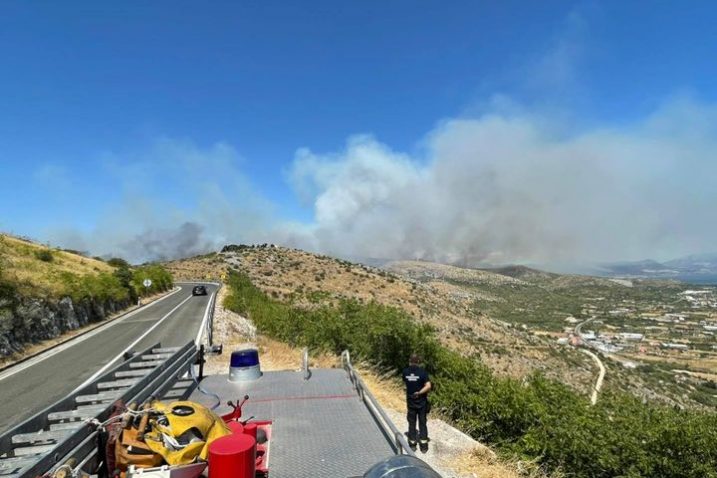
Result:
401,466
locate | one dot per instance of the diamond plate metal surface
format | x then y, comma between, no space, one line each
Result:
321,427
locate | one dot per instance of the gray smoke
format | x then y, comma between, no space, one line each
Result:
515,188
178,200
508,184
500,187
161,244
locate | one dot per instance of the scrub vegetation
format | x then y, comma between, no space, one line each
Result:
33,270
534,417
47,293
511,317
313,281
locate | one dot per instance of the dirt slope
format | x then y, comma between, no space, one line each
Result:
309,280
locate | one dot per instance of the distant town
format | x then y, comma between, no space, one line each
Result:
683,327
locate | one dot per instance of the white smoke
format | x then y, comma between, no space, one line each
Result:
496,188
508,188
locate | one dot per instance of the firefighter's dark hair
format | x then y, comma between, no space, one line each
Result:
414,359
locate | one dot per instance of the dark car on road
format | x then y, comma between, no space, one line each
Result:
199,290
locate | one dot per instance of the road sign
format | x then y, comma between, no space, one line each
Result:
147,282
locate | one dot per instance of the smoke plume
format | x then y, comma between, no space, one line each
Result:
504,186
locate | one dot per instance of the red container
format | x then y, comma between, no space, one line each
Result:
232,456
250,429
236,427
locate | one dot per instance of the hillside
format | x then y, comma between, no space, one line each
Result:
311,280
46,293
511,317
38,270
523,273
550,305
696,268
329,305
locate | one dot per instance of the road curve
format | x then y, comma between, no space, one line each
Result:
601,376
31,386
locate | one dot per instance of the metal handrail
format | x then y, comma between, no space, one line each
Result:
80,442
400,443
173,369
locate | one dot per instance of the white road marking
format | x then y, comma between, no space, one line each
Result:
54,351
129,347
137,321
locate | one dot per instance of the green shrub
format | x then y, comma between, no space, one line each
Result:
124,284
44,255
103,286
118,262
535,418
8,290
160,277
125,275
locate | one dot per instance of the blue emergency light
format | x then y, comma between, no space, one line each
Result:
244,365
244,358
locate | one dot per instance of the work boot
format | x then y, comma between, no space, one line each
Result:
424,446
411,442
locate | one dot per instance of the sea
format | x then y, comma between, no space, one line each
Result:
698,279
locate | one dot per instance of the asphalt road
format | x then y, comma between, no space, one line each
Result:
601,376
32,386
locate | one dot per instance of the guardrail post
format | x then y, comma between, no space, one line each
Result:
305,363
200,361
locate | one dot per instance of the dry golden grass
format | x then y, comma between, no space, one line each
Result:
22,267
209,267
277,355
311,280
387,389
481,464
696,360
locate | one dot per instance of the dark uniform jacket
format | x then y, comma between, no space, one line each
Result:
415,378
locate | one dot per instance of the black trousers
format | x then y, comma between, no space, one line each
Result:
419,413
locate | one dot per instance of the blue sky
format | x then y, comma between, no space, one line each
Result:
141,113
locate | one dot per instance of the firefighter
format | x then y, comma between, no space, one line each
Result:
417,387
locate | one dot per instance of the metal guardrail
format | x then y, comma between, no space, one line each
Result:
399,444
174,369
209,324
210,321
